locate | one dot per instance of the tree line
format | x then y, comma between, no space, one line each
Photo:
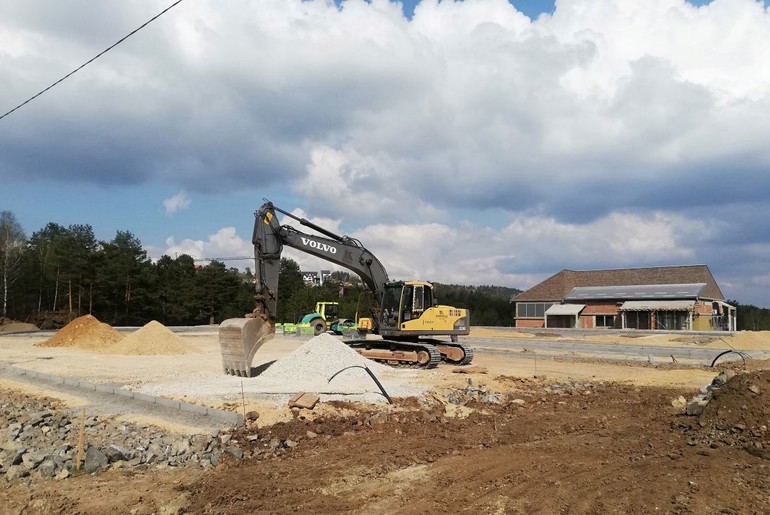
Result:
59,273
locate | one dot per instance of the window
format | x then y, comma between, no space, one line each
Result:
532,309
604,321
418,306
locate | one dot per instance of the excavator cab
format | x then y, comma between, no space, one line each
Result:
405,301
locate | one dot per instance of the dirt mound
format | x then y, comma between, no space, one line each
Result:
84,332
739,412
152,339
750,340
8,325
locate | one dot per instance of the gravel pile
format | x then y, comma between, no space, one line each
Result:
307,369
313,364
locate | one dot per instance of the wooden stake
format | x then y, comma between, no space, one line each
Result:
81,439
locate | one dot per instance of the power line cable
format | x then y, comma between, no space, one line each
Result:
95,57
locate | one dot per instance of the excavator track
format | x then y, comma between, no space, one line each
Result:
453,353
410,354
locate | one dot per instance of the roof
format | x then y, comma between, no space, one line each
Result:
661,305
565,309
556,287
634,291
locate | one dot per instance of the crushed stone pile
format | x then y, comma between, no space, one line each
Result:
317,361
152,339
306,369
84,332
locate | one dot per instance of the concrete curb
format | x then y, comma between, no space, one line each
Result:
234,419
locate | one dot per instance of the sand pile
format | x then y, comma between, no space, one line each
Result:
152,339
14,326
750,340
84,332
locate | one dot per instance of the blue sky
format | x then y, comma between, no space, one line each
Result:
470,142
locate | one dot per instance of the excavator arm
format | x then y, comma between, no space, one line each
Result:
240,338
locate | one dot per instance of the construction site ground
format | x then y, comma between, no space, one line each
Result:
516,434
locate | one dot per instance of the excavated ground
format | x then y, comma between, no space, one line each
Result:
574,441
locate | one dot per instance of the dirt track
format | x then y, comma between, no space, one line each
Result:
586,444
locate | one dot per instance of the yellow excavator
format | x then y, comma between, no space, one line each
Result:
405,314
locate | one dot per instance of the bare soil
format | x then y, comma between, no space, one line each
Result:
577,438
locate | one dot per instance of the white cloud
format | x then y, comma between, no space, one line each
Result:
225,243
176,203
592,135
470,254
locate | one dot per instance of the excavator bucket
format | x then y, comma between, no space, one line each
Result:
239,340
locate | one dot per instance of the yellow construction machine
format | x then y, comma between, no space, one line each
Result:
405,314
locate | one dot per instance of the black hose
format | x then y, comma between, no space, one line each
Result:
371,374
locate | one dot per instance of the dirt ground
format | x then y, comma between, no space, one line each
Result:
567,437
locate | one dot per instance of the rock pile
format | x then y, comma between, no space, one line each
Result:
737,413
84,332
698,403
39,440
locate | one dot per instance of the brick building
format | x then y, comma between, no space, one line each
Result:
667,297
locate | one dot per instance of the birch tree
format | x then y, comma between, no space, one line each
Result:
12,240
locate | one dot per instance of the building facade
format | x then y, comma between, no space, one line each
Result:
655,298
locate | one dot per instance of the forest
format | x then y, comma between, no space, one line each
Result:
59,273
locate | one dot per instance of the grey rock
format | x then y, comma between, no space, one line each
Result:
181,446
13,430
10,446
18,456
235,452
95,460
696,407
47,468
15,472
39,418
116,453
31,460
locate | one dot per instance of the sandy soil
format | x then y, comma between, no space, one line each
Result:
566,437
744,340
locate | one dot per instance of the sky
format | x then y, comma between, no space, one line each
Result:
482,142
